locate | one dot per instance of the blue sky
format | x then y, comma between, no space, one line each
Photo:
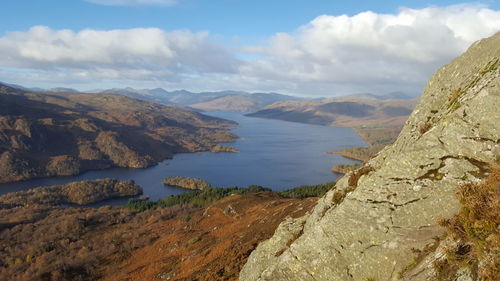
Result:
247,20
293,46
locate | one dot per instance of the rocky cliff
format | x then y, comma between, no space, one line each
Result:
370,226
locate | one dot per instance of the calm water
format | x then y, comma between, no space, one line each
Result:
275,154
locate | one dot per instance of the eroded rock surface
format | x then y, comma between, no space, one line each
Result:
368,234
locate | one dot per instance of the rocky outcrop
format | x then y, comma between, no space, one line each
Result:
371,224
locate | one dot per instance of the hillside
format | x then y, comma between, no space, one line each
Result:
350,111
381,222
201,235
46,134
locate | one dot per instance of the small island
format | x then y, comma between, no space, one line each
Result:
78,193
223,148
188,183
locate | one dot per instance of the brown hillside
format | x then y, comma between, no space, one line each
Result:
51,134
181,243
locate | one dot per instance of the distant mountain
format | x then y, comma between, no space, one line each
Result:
218,100
244,102
36,89
45,134
63,90
388,96
15,86
206,101
154,95
350,111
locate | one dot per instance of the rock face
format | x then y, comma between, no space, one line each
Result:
366,227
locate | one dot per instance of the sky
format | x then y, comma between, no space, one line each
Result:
300,47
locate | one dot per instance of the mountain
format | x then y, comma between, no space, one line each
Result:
154,95
350,111
187,98
46,134
243,102
206,101
385,220
23,88
388,96
62,90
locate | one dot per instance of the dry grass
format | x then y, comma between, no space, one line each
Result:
356,175
339,196
476,228
420,255
424,127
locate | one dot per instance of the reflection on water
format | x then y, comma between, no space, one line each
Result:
274,154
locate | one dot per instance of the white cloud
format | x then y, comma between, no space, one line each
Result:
371,52
145,52
367,52
132,2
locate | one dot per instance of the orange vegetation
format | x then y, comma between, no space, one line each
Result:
212,244
48,243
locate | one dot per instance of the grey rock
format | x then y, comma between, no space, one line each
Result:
451,136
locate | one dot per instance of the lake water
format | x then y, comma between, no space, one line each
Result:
275,154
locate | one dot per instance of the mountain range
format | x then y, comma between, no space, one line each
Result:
215,101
